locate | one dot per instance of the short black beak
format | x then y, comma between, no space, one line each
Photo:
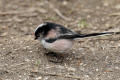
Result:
35,38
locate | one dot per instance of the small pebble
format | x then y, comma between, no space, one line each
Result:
117,6
97,69
3,48
30,51
71,69
38,78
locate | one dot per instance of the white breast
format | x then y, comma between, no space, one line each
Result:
61,45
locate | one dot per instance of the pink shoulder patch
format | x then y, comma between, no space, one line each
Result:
52,34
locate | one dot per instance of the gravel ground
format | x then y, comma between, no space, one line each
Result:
94,58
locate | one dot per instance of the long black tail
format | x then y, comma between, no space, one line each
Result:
85,35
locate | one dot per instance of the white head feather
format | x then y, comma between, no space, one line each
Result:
41,25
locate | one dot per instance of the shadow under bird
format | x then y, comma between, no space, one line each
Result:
59,39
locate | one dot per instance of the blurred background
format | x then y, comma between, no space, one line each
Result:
22,58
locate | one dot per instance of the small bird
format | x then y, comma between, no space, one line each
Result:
57,38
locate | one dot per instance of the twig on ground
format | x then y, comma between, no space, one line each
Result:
16,65
59,75
17,12
115,14
57,11
12,12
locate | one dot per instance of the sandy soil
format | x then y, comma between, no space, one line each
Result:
95,58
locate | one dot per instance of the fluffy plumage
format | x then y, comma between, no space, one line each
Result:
57,38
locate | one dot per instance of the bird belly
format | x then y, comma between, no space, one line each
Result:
62,45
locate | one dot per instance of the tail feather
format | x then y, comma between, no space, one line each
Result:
85,35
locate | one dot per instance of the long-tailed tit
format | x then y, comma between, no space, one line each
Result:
56,38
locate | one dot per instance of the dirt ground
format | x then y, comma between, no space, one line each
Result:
95,58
